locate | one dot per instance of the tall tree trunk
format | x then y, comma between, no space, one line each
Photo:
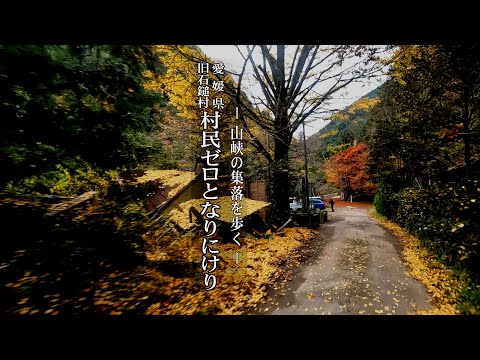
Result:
280,184
279,180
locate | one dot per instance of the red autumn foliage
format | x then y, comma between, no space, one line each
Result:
348,170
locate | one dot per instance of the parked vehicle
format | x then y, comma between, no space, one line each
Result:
317,204
295,206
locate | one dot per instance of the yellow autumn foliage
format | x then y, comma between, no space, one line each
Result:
363,104
180,84
404,60
180,81
330,133
435,276
180,216
241,286
174,178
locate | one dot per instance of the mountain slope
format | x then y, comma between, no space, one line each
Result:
345,127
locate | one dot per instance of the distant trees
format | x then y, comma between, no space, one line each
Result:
347,127
179,84
348,170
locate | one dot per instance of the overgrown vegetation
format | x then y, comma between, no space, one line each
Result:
425,154
71,113
74,117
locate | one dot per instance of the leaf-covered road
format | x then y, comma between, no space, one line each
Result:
355,268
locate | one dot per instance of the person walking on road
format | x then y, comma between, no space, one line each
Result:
331,202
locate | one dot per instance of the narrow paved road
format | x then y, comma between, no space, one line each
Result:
355,268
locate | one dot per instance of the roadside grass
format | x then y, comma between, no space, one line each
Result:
373,212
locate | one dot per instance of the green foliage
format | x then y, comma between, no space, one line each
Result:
80,103
385,201
70,177
469,296
424,154
426,122
445,218
373,211
149,151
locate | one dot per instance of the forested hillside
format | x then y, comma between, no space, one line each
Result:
345,127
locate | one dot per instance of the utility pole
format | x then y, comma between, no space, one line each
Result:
306,205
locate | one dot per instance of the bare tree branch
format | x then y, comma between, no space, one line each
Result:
292,66
255,141
267,90
298,70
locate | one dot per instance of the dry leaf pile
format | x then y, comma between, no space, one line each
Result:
180,216
174,178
